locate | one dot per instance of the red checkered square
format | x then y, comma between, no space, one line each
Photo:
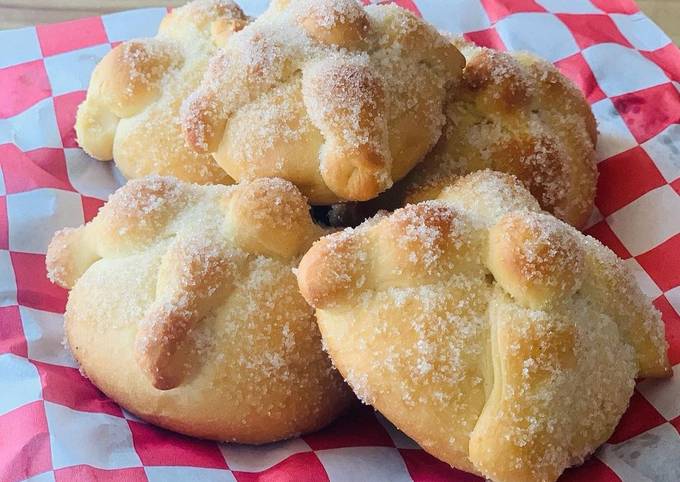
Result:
304,467
616,6
676,423
649,111
24,443
156,446
422,467
408,5
4,225
41,168
86,473
617,188
604,233
671,320
498,9
592,470
676,185
91,206
357,428
22,86
12,339
486,38
640,417
65,107
666,58
662,263
33,288
577,69
72,35
66,386
593,29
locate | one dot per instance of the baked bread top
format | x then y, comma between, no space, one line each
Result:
515,113
340,99
501,339
184,308
131,113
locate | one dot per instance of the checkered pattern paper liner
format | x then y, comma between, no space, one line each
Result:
56,426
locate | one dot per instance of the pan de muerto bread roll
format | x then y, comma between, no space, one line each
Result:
131,113
184,309
500,338
516,113
339,99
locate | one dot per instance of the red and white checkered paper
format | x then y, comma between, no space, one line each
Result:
56,426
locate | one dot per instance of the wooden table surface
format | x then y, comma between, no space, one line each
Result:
19,13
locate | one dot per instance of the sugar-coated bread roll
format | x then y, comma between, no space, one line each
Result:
185,310
500,338
131,113
513,113
516,113
339,99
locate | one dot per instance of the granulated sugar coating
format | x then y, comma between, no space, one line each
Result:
184,309
340,99
501,339
131,113
514,113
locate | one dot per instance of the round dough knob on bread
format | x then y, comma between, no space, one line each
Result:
501,339
131,112
185,310
340,99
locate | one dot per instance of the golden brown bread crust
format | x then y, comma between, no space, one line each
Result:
184,309
131,113
501,339
514,113
533,261
339,99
